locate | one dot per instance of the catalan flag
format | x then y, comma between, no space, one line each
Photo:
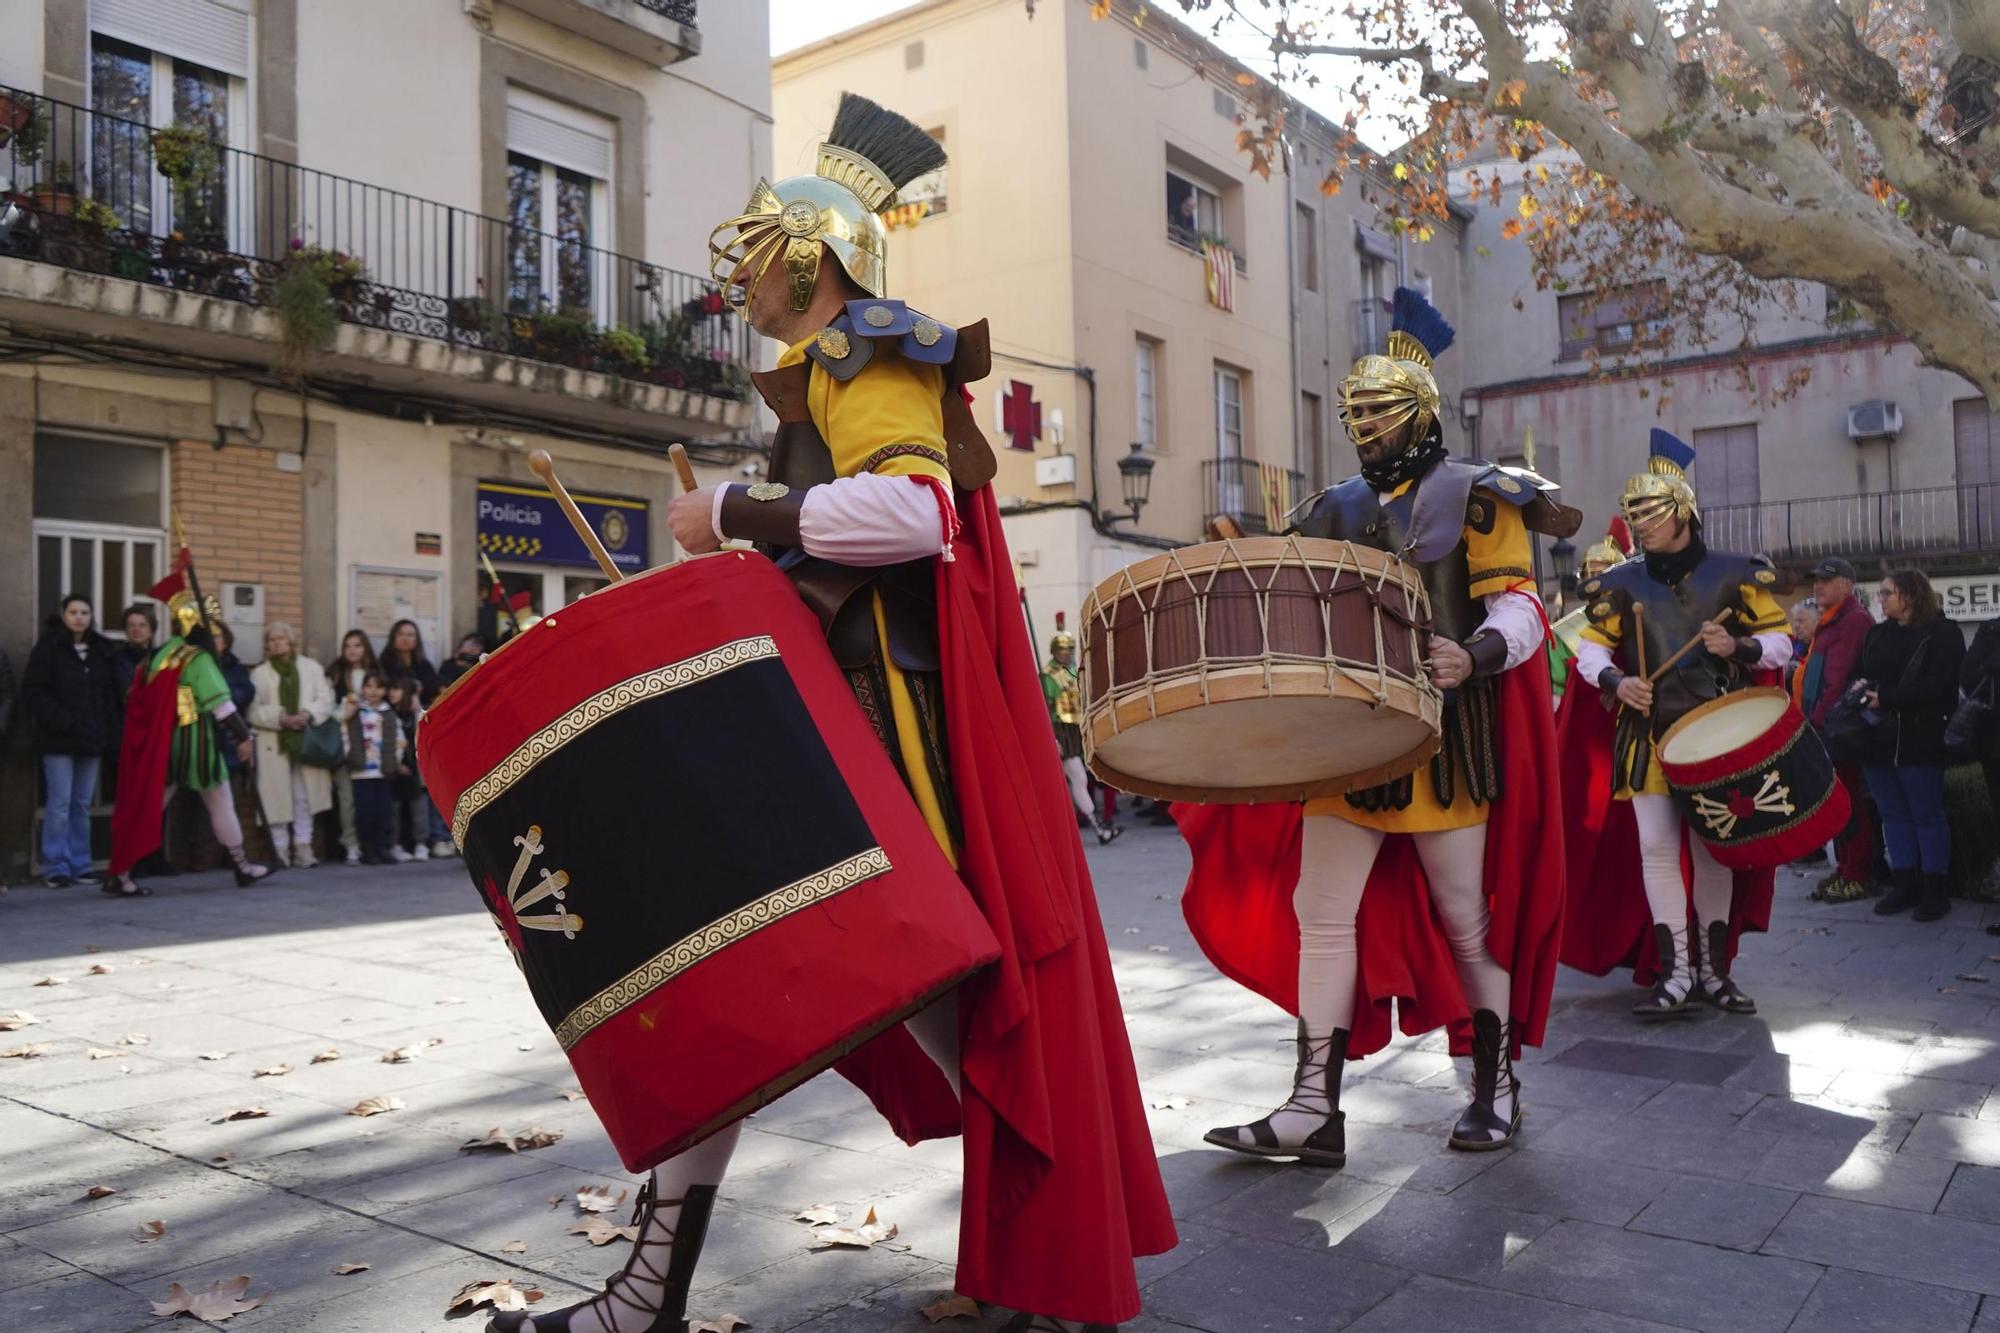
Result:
1275,484
1221,266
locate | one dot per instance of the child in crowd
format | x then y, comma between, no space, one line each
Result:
376,754
411,815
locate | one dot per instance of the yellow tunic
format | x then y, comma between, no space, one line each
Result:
892,403
1609,631
1498,559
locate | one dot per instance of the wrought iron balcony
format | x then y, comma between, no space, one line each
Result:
1935,521
99,194
680,11
1257,495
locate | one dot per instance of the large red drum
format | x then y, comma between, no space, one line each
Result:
702,858
1752,780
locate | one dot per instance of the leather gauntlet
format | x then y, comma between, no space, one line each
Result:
233,728
1489,654
748,515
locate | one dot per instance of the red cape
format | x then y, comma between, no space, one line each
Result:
151,710
1246,865
1062,1189
1606,922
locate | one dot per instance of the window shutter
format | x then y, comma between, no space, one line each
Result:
561,136
215,33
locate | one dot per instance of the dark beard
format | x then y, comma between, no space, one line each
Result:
1411,462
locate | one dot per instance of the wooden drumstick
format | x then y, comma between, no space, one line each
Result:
679,453
545,468
1683,650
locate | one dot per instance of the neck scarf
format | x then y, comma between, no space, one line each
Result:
288,701
1409,464
1670,567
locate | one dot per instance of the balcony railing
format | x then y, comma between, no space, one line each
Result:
1257,495
1939,520
680,11
1372,316
100,194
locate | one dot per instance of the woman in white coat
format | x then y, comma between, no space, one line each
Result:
292,694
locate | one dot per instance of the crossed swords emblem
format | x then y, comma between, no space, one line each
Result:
1772,798
553,884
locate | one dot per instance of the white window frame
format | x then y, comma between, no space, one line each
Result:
1228,394
160,115
1146,403
68,528
603,224
1207,210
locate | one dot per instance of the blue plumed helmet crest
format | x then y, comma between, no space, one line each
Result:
1669,455
1418,320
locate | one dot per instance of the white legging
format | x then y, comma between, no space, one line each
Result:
1079,787
220,802
1337,857
1660,866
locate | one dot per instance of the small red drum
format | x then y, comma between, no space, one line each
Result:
696,847
1258,669
1753,781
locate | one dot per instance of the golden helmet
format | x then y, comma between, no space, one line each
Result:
869,154
186,615
1383,391
1662,491
1615,549
1062,638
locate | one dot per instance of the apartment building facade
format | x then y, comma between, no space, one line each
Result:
505,205
1094,171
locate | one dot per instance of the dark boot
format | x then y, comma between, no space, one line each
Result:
1715,986
1318,1077
1934,898
1909,888
682,1242
1673,991
1482,1128
1105,830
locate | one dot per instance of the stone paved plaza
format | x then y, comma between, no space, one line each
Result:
1832,1164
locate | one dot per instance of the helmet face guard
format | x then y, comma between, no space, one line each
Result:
1382,392
1653,498
796,222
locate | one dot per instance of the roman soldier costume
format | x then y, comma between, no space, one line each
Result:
1565,633
1437,894
1065,699
1620,817
178,710
877,508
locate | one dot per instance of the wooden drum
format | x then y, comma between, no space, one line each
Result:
1258,669
1752,779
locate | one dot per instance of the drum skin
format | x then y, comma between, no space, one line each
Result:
1759,803
705,864
1258,669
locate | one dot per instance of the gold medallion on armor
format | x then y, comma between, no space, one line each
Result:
769,490
927,332
833,343
879,316
799,218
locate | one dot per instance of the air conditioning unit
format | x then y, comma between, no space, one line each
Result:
1878,418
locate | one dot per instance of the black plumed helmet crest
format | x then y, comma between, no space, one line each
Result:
896,146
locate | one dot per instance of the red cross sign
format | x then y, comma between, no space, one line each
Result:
1021,416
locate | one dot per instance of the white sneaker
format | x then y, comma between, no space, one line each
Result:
443,850
398,855
422,853
353,856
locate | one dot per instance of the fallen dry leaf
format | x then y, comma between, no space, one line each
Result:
135,1039
600,1232
275,1071
525,1046
222,1157
868,1234
517,1246
100,969
17,1020
28,1052
1159,948
149,1231
242,1113
101,1053
451,999
573,1094
327,1056
820,1215
951,1307
215,1055
1132,930
519,1141
219,1302
596,1199
1973,976
345,1269
402,1055
376,1106
501,1295
53,981
99,1192
1171,1103
722,1323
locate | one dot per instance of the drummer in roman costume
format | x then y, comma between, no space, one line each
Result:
877,507
1641,614
1565,633
1439,892
1060,687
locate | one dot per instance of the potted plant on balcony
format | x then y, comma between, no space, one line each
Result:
55,191
626,349
184,152
315,287
567,337
16,114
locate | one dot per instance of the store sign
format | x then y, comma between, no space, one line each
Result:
1960,596
525,525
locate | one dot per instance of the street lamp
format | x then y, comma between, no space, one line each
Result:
1563,556
1135,477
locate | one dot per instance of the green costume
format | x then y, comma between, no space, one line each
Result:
195,760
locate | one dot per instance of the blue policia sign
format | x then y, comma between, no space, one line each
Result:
524,524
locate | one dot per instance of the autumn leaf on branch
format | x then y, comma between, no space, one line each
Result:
501,1295
951,1307
869,1234
221,1301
